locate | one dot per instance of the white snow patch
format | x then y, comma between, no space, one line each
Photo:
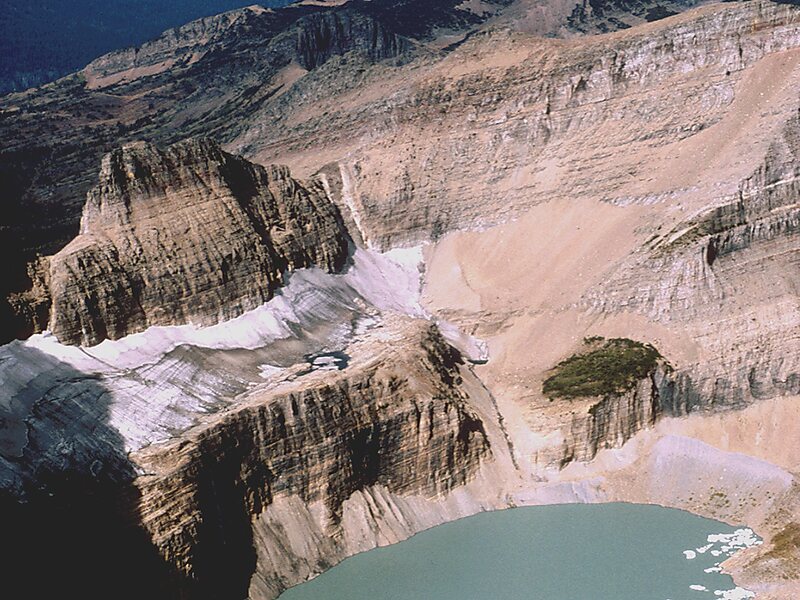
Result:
153,394
325,363
698,588
736,593
389,282
267,371
689,554
739,539
472,348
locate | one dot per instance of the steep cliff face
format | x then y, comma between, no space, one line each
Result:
687,239
240,78
613,420
263,493
324,35
734,262
396,419
186,235
445,145
200,79
654,174
195,80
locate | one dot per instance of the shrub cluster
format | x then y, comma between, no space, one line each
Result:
607,367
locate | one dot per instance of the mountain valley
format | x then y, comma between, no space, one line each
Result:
284,285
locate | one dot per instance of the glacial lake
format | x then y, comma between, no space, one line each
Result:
560,552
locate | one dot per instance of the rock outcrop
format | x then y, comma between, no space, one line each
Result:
581,118
397,419
243,78
190,234
301,456
192,81
611,421
729,274
654,174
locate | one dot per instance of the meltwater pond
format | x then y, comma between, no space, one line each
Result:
562,552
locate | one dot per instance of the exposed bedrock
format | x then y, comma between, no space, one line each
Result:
214,513
472,140
193,81
200,79
248,473
306,35
452,140
400,421
190,234
729,275
324,35
611,421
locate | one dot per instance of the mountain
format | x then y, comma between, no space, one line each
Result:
212,77
42,40
195,80
297,283
133,224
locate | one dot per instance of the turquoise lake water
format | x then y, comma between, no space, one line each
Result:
562,552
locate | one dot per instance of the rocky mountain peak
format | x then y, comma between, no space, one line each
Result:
139,172
187,234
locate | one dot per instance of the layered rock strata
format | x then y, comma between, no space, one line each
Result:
199,80
190,234
697,255
261,495
579,113
460,141
731,265
399,420
609,422
192,81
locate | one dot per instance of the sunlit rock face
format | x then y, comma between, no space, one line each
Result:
184,444
641,184
396,419
728,274
509,121
150,387
186,235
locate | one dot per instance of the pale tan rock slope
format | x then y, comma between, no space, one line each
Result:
641,184
320,467
688,240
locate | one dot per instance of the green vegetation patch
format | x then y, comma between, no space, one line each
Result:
607,367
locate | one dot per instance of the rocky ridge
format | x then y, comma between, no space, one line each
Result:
605,244
510,133
195,80
301,455
190,234
399,420
183,85
715,263
178,86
